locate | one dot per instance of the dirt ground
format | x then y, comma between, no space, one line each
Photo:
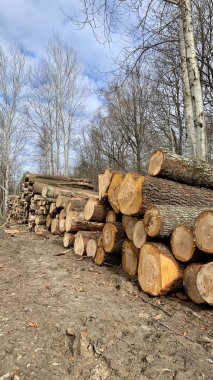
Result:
63,317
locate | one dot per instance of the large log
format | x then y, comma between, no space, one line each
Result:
139,234
181,169
113,191
205,283
81,240
68,240
130,255
158,271
190,282
113,236
95,210
76,204
161,220
38,188
104,181
183,244
75,222
203,231
137,193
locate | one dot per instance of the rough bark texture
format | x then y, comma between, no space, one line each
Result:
158,271
62,201
161,220
38,187
113,237
130,255
113,191
95,210
181,169
203,231
75,222
137,194
190,282
205,283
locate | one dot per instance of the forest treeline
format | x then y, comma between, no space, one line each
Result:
42,108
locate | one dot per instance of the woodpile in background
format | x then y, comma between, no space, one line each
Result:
158,226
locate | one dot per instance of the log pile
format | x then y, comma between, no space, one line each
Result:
158,226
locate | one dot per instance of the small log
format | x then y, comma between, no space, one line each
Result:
111,216
40,219
190,282
113,191
68,240
158,271
81,240
48,191
203,231
95,210
130,256
113,236
62,225
92,245
161,220
183,244
53,208
205,283
181,169
55,227
61,201
62,214
75,222
129,223
139,234
49,220
137,193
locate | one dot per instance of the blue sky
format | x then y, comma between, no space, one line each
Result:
33,22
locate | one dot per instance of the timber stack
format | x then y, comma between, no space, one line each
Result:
158,226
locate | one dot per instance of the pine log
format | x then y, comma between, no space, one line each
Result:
40,219
81,240
190,282
113,236
161,220
129,223
139,234
203,231
76,222
111,216
205,283
137,193
55,227
113,191
68,240
181,169
130,256
95,210
61,201
158,271
183,244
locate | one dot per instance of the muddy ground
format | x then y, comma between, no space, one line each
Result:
62,317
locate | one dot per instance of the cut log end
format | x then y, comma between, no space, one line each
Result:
183,243
139,234
68,240
100,256
204,231
205,283
79,245
155,163
130,256
130,194
152,221
190,282
91,248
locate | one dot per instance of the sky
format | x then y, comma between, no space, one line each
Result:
33,22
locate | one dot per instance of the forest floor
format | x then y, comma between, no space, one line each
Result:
63,317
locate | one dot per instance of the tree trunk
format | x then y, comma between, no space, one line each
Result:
183,244
95,210
113,191
181,169
190,282
203,231
161,220
68,240
137,194
130,255
113,236
158,271
139,234
205,283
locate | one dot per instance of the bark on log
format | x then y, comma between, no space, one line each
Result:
158,271
203,231
76,222
95,210
32,177
61,201
130,256
205,283
161,220
139,234
113,191
68,240
113,236
138,193
190,282
111,216
48,191
181,169
81,240
38,188
183,244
